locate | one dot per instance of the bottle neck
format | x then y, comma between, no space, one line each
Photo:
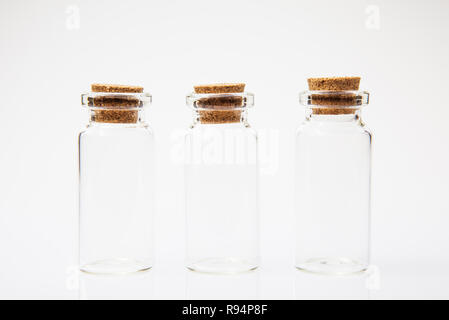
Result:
354,117
116,117
220,117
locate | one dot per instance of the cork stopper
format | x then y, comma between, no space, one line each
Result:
336,96
220,88
96,87
334,84
220,103
117,104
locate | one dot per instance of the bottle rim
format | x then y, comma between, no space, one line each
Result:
115,100
220,101
323,99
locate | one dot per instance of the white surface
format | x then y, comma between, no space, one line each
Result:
273,281
50,54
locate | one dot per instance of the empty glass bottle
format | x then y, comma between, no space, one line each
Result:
221,181
333,165
116,182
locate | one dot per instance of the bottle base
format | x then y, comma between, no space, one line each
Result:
332,266
223,265
115,266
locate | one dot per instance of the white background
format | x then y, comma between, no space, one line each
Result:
51,51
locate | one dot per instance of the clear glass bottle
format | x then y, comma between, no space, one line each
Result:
333,169
221,184
116,182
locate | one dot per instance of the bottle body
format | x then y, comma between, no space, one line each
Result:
116,197
221,191
333,171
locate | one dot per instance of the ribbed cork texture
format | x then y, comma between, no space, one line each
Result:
115,88
332,100
117,103
220,103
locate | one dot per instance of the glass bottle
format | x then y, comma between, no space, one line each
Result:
221,182
116,182
333,169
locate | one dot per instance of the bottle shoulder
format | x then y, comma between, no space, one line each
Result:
244,127
329,128
116,130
